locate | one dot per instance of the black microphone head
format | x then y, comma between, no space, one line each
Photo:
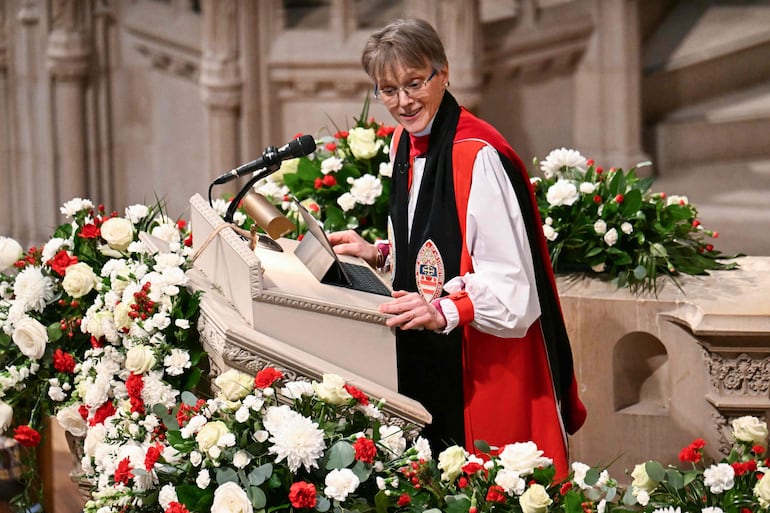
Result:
301,146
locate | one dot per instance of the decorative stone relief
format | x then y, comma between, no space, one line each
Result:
68,50
742,375
29,13
169,62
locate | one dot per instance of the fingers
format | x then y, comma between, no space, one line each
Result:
410,311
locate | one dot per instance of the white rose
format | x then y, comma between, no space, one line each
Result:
535,500
234,384
140,359
31,337
587,188
71,421
762,491
523,457
6,416
79,279
642,481
118,232
600,227
550,233
626,228
332,389
750,430
563,192
346,201
331,165
120,316
241,459
95,436
209,435
451,461
611,237
363,143
231,498
10,252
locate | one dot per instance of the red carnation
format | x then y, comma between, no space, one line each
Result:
357,394
758,449
63,362
153,453
462,483
61,261
302,495
102,412
495,494
267,376
181,224
175,507
365,450
90,231
472,467
404,500
26,436
123,473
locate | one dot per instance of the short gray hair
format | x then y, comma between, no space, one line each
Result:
408,42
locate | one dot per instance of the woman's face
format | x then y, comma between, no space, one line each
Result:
412,95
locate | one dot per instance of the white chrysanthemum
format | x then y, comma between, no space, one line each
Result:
340,483
563,192
52,247
176,362
157,391
298,440
75,205
366,189
33,289
719,478
563,158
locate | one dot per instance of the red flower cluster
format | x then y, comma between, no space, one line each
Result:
186,412
26,436
176,507
61,261
496,493
266,377
63,362
365,449
357,394
744,467
302,495
153,453
123,473
134,387
693,452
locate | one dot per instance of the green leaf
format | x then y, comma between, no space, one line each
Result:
323,504
260,474
189,398
54,332
226,475
655,471
482,446
455,504
675,479
257,497
340,455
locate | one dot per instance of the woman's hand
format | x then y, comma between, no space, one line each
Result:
411,312
349,242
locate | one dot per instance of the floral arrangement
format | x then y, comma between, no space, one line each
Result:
262,443
93,323
610,222
345,183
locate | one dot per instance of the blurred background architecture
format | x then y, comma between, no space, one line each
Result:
124,100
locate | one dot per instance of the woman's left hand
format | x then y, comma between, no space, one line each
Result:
411,312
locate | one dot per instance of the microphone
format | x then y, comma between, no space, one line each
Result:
271,158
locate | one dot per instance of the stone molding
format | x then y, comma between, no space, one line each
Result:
67,55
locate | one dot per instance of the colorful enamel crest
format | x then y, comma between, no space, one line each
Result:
429,271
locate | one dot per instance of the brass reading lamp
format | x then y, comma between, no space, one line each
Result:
267,217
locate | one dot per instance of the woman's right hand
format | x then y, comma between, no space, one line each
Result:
349,242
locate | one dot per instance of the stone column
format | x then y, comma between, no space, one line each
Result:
6,210
607,125
221,84
68,56
458,24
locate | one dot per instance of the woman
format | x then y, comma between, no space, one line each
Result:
481,341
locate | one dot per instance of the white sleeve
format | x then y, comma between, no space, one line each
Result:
502,287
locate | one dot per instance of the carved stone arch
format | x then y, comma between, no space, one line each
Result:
641,375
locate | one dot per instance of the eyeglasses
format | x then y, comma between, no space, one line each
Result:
390,94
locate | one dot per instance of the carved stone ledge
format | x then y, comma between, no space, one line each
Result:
29,13
293,302
742,375
170,62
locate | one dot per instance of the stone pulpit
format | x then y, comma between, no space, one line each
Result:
263,307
